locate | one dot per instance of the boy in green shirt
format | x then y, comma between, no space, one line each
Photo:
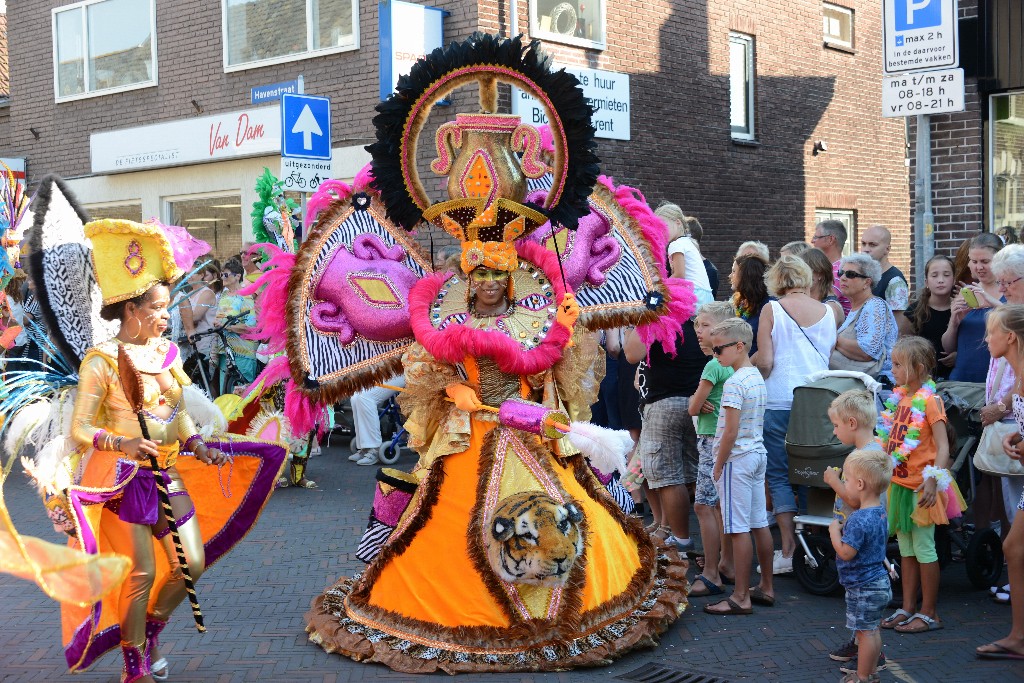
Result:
704,406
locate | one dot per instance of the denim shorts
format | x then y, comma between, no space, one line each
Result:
706,493
865,604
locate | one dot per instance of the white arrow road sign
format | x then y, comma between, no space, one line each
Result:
307,125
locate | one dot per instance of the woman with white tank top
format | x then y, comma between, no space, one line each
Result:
795,337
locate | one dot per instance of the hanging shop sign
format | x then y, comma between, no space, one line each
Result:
407,32
606,91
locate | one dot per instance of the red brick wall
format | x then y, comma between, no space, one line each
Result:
190,54
682,151
675,53
958,165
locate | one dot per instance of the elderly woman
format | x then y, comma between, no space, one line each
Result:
966,331
1008,269
869,332
796,334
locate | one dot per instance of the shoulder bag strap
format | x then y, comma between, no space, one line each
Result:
803,333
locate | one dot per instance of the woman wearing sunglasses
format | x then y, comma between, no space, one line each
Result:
869,332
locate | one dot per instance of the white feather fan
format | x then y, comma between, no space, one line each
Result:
605,448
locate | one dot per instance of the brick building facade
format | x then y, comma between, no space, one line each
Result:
766,186
978,154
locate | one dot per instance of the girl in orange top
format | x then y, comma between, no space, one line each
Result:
913,431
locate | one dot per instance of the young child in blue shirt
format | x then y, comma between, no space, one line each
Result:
860,554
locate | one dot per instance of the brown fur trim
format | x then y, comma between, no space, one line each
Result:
526,634
640,584
477,552
301,275
329,626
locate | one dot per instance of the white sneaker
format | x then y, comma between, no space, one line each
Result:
357,456
368,459
780,564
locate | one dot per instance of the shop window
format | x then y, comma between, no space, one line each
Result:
1006,162
844,216
124,212
217,220
577,22
261,32
103,46
741,86
838,25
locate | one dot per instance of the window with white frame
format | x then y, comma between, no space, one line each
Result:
845,216
103,46
260,32
741,86
837,25
577,22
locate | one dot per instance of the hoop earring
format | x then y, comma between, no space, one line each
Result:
136,335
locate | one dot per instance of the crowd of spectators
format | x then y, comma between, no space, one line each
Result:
818,306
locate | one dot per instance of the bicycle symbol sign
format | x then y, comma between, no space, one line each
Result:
303,175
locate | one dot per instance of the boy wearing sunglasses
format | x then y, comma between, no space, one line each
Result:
740,464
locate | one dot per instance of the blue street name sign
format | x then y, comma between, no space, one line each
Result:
305,126
273,91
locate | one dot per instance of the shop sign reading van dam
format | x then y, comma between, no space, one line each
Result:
231,135
606,91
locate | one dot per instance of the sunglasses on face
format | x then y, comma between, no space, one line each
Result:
488,275
717,350
852,274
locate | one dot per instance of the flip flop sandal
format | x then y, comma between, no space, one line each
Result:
1001,598
897,618
710,588
696,557
929,624
999,589
759,597
733,608
999,653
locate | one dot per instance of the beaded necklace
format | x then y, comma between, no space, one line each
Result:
917,420
742,307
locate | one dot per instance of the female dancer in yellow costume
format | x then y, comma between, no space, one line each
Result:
114,501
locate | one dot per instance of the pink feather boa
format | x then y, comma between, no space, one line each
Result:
303,413
271,290
680,302
330,191
456,342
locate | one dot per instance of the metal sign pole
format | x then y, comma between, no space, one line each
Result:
924,219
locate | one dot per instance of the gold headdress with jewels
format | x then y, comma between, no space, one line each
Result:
130,257
489,158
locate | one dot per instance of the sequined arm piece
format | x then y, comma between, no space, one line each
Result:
94,377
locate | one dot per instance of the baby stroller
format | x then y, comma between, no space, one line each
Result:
980,549
812,448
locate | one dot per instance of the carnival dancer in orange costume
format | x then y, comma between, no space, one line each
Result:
133,443
501,550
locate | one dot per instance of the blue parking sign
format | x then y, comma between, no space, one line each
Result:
305,126
918,14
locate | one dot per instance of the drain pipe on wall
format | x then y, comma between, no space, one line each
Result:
924,218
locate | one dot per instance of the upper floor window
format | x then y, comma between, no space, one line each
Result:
576,22
261,32
103,46
741,86
838,25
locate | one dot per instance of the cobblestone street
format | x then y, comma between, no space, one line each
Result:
254,601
